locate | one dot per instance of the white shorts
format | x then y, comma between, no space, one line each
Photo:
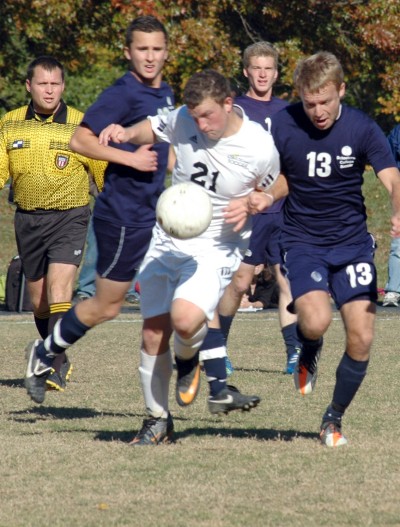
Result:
166,275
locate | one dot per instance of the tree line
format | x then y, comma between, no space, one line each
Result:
88,36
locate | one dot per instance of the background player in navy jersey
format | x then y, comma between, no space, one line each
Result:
324,147
124,212
260,67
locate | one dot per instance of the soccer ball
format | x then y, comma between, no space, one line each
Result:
184,210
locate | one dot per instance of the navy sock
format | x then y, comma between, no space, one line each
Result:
216,374
333,413
226,323
291,339
349,376
214,367
67,330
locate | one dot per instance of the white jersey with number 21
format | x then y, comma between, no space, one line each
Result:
229,168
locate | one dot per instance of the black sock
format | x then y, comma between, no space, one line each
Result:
42,324
308,345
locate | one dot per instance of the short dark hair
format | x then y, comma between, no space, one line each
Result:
147,24
47,62
208,83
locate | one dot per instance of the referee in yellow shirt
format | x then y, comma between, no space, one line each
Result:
51,193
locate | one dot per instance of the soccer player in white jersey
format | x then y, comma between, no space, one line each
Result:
219,148
324,147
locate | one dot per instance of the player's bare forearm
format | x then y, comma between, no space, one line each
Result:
85,142
280,188
138,134
390,178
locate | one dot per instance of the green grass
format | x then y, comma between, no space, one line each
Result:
67,462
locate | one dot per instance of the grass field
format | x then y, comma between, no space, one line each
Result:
67,462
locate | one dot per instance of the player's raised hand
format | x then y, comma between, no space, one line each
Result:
145,159
113,133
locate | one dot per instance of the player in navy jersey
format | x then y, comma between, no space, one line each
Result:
124,212
324,147
260,67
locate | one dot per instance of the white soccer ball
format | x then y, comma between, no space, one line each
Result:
184,210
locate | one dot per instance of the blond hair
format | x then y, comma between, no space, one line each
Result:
316,71
260,49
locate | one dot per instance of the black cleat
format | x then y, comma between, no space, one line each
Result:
37,373
57,381
230,399
154,431
306,370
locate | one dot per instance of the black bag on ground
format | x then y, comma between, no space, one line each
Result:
17,298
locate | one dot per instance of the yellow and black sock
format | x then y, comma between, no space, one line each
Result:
57,311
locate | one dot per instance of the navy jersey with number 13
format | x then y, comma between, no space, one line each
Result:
324,169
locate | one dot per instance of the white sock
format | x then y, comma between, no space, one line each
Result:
155,374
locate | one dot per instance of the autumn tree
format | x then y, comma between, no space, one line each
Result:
87,36
363,34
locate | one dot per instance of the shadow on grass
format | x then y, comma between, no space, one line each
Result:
258,434
260,370
32,414
12,383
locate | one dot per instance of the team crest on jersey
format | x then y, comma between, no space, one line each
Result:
61,161
346,159
18,144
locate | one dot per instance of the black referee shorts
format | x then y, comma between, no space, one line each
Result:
50,236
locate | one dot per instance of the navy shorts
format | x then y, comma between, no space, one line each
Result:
264,241
346,272
121,249
50,236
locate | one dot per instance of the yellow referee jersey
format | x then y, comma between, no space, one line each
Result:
35,153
